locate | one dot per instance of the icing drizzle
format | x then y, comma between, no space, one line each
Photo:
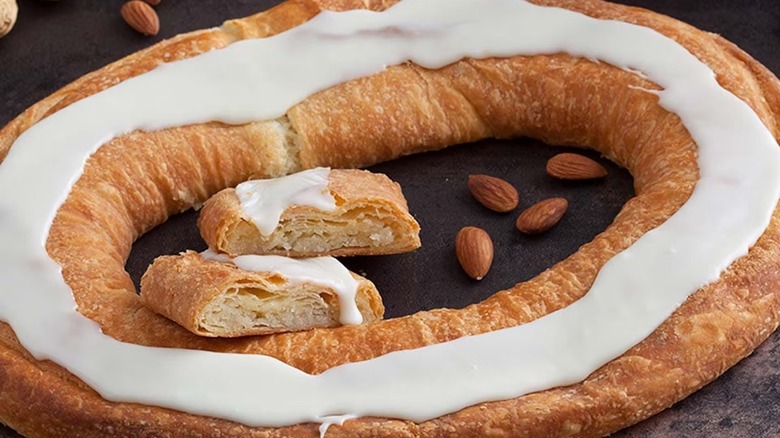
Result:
634,292
264,200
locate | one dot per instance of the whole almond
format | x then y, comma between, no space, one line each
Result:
474,250
152,2
574,167
542,216
141,17
494,193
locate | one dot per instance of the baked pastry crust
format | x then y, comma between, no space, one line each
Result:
216,299
585,104
371,218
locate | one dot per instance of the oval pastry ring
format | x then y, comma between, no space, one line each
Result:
136,181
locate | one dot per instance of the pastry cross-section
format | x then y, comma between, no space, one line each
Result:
217,299
371,217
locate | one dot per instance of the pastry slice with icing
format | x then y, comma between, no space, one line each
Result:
311,213
257,295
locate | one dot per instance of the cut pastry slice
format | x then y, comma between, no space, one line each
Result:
311,213
214,295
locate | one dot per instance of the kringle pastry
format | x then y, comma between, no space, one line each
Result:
364,214
593,344
211,296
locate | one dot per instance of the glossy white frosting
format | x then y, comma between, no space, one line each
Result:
328,421
323,271
264,200
634,292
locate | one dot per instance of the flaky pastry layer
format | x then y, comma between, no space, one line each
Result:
371,218
585,104
216,299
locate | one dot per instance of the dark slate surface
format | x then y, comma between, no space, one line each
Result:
56,42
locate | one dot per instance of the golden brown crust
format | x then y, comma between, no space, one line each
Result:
585,104
368,204
182,288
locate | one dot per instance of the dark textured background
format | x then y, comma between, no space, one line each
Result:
54,43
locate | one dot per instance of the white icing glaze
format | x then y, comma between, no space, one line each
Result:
327,421
634,292
324,271
264,200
